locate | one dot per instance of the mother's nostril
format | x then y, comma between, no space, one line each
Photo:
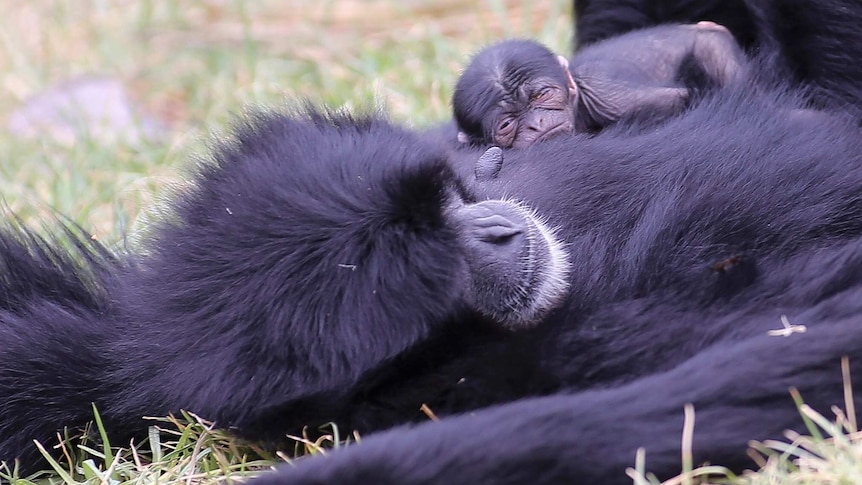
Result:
492,222
498,234
496,229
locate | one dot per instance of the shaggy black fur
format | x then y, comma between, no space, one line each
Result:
286,275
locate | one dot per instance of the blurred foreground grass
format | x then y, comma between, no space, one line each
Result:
193,65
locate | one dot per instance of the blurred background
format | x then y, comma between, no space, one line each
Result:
102,103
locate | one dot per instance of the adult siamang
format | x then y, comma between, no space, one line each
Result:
817,42
686,252
327,268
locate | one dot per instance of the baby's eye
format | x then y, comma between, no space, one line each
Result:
505,123
545,94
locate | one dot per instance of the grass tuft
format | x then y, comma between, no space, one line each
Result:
185,449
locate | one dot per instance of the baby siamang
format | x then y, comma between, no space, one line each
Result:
815,42
517,92
327,268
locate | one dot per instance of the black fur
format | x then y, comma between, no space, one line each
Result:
651,323
55,311
310,274
284,277
819,43
293,259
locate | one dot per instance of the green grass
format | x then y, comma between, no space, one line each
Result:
178,450
195,65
